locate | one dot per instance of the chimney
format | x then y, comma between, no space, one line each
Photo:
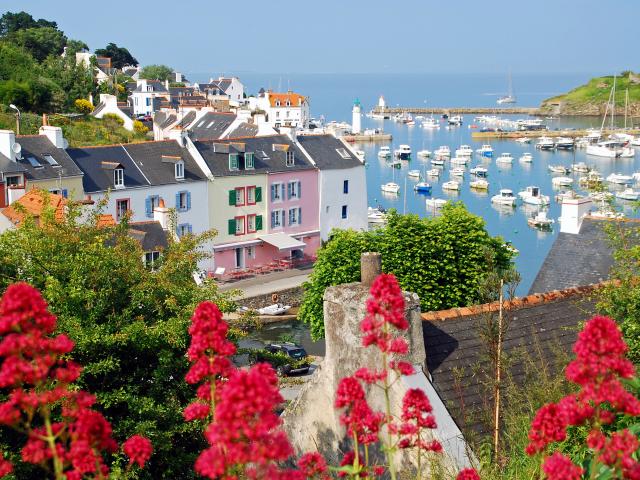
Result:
166,84
161,215
15,192
573,212
289,132
107,99
45,120
54,134
7,142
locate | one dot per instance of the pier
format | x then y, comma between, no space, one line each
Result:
459,110
543,133
376,137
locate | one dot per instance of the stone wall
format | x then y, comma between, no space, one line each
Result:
290,296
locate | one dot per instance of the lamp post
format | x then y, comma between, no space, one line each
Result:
17,118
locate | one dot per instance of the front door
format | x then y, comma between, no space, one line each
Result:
239,257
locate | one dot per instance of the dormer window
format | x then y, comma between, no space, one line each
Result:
233,161
277,103
288,103
149,88
290,158
118,177
248,161
179,170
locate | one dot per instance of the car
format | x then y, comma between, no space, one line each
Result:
287,358
144,117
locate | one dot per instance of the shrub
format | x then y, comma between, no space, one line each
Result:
139,127
112,118
83,106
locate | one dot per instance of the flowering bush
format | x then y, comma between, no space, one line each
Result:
64,435
599,368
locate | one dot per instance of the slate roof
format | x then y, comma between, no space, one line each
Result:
244,130
164,119
578,259
266,160
150,235
542,326
37,146
157,162
323,149
211,126
158,87
7,166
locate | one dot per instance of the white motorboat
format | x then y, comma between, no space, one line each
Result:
403,153
459,160
580,167
390,187
561,169
275,309
457,172
414,173
485,150
419,117
526,157
384,152
620,179
545,143
376,215
628,194
435,203
593,135
533,196
430,123
451,185
464,151
523,140
564,143
480,184
424,153
540,220
504,158
479,171
438,161
562,181
611,149
455,120
410,123
505,197
434,172
635,142
443,151
360,154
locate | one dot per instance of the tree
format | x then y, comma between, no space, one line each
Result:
156,72
442,259
12,22
83,106
74,46
40,42
119,56
129,324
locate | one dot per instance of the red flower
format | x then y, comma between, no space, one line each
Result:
468,474
138,449
196,411
549,425
559,467
5,467
313,466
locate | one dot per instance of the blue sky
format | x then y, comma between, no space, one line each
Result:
358,36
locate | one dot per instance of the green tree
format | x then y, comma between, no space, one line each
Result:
74,46
40,42
129,323
443,260
119,56
12,22
156,72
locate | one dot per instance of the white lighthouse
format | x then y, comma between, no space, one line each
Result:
381,103
356,123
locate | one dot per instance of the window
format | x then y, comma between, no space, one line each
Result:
248,161
150,204
50,160
277,192
183,229
344,211
251,223
251,195
118,177
277,103
122,207
343,153
326,210
345,186
290,158
135,101
151,259
239,221
59,191
13,180
183,201
277,218
148,101
295,215
180,170
251,252
233,161
34,163
293,189
277,114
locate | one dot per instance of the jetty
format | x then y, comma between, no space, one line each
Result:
571,133
458,110
375,137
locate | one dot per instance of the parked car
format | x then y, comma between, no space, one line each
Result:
286,358
144,117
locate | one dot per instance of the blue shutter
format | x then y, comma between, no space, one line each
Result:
190,228
273,219
299,189
178,201
147,207
65,193
290,216
289,188
299,216
273,192
189,202
282,187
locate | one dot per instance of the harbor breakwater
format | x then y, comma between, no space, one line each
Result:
459,110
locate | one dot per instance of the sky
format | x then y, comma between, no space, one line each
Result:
358,36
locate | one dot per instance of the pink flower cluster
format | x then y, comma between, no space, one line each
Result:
416,417
37,375
598,368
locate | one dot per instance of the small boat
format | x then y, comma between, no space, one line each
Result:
410,123
275,309
419,117
505,197
562,181
457,172
611,149
628,194
580,167
533,196
403,153
360,154
422,187
635,142
485,150
443,151
396,162
545,143
523,140
424,153
636,176
384,152
434,172
464,151
455,120
435,203
451,185
437,161
430,123
479,171
414,173
620,179
390,187
526,157
479,184
540,221
459,161
561,169
376,215
564,143
504,158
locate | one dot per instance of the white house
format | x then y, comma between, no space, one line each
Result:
342,183
230,87
146,95
284,109
109,104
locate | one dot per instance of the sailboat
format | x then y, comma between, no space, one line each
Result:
510,97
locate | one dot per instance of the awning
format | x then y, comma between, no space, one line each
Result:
282,241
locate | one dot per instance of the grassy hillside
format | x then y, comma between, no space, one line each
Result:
591,98
79,131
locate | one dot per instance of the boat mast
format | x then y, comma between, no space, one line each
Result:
606,109
613,102
626,106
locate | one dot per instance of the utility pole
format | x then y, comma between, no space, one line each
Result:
12,106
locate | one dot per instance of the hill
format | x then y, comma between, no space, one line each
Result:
591,98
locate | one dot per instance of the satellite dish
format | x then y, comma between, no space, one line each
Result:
17,148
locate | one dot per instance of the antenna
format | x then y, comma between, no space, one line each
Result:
17,148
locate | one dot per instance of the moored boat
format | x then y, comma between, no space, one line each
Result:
540,220
390,187
479,171
384,152
485,150
561,169
562,181
403,153
422,187
628,194
620,179
451,185
479,184
464,151
435,203
526,157
505,197
414,173
504,158
533,196
545,143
